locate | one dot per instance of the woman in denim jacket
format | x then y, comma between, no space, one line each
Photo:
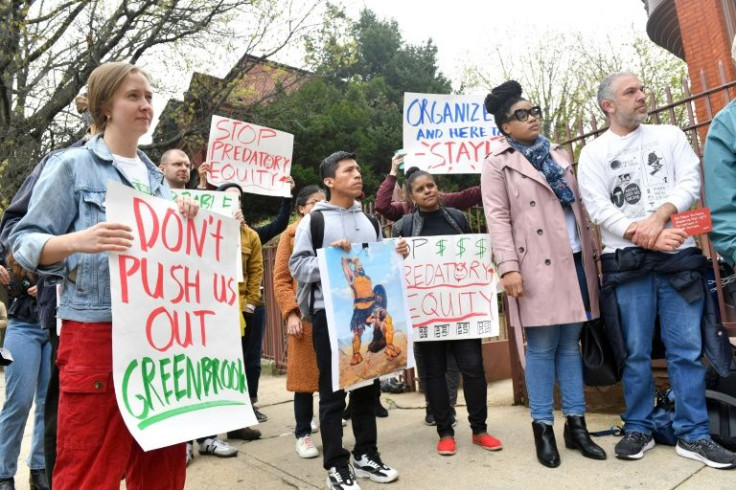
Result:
65,234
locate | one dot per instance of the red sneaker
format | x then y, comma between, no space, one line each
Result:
447,446
487,442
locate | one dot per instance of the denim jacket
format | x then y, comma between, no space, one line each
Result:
70,197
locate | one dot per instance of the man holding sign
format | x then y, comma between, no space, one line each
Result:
344,223
633,178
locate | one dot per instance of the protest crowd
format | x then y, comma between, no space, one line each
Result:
98,234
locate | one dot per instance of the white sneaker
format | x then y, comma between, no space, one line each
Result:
305,448
315,426
371,466
217,447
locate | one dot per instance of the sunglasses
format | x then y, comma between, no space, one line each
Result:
523,114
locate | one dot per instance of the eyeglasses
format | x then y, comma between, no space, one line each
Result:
523,114
311,203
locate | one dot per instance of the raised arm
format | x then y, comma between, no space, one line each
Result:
346,261
464,199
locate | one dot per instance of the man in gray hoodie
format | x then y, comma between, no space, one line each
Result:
344,223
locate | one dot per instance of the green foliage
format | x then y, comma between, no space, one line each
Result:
355,103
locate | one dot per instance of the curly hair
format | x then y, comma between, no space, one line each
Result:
501,99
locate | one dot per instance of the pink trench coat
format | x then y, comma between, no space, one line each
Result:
528,235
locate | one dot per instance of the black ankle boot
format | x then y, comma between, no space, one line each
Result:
544,439
577,437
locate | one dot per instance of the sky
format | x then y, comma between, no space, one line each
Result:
465,33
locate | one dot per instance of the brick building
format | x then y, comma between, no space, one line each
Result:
184,124
699,32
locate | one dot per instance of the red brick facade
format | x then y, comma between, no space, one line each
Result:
706,41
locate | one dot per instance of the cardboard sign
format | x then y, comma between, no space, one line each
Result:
255,157
694,222
451,285
365,304
447,134
177,360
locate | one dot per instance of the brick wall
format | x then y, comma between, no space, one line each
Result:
705,41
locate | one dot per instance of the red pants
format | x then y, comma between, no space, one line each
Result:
95,450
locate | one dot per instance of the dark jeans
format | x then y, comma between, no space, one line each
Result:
469,358
332,404
253,348
51,409
303,413
452,376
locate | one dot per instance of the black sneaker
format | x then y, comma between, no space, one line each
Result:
633,445
260,416
707,451
341,478
429,419
371,466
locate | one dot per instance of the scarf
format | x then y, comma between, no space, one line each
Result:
538,155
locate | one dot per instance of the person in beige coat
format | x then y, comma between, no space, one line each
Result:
302,375
543,249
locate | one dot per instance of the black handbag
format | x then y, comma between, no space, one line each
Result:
599,364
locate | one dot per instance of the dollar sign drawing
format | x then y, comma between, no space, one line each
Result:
461,247
481,246
441,247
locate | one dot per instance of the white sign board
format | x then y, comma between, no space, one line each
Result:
255,157
451,285
447,134
177,361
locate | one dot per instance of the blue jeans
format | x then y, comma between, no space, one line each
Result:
553,351
639,303
27,375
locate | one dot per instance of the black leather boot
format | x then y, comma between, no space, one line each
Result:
577,437
544,440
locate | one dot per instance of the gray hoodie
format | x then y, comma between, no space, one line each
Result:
340,223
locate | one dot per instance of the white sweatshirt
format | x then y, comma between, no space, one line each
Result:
624,179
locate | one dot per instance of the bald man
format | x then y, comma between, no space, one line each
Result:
176,167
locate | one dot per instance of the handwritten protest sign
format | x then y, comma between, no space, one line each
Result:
367,315
451,285
447,134
218,202
215,201
177,362
255,157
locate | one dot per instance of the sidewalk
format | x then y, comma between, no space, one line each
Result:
408,445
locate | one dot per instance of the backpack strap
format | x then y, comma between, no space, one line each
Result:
317,229
374,222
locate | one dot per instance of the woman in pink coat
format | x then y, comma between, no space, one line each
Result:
544,252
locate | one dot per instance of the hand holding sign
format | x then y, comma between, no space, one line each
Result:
104,237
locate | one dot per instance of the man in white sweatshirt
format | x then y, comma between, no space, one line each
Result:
632,179
344,223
